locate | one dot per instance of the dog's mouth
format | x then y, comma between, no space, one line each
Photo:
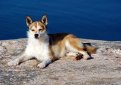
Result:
36,37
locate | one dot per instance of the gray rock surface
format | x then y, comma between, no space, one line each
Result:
103,69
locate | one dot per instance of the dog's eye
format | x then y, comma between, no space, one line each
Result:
40,29
33,30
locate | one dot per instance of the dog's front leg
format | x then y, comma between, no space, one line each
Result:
44,63
20,59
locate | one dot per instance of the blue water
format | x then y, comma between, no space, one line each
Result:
92,19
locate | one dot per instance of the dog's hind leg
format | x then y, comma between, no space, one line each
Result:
75,45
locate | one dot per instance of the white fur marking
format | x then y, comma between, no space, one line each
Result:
37,48
69,47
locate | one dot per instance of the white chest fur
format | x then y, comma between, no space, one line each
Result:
37,48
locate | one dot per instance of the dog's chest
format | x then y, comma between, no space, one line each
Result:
38,49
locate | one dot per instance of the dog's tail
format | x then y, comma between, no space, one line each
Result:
89,48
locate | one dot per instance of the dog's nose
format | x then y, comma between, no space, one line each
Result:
36,35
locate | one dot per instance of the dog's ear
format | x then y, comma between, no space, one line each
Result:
44,20
28,21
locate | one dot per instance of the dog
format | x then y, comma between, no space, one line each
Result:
50,47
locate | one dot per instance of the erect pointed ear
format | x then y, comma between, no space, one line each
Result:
44,20
28,21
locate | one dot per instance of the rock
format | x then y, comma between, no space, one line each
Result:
2,50
14,46
103,69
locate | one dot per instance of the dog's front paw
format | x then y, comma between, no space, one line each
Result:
13,63
41,65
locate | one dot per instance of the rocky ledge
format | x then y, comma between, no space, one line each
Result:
103,69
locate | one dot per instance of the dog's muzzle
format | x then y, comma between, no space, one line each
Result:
36,35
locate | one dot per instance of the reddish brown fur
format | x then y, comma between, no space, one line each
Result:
35,25
57,42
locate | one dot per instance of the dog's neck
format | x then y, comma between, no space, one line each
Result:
44,38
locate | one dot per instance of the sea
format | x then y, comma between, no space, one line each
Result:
88,19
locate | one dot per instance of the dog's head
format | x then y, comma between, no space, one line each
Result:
37,28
